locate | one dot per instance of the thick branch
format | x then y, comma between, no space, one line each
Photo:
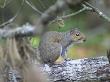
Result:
88,69
25,30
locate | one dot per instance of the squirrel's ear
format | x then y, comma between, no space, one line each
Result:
73,30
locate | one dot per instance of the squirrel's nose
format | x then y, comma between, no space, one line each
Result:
84,40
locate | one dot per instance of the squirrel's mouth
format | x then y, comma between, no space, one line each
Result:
80,40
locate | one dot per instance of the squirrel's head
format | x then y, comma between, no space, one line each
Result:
77,36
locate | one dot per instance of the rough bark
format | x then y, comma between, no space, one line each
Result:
88,69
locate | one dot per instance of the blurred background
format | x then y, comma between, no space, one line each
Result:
96,29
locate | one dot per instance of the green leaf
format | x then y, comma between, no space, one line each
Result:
35,41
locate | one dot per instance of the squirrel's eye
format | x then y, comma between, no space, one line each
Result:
77,34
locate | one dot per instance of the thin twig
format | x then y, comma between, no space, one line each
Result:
41,3
33,7
9,21
4,4
13,18
73,14
101,14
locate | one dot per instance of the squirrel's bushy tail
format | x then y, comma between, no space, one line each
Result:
16,60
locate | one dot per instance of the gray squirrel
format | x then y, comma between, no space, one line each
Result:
54,44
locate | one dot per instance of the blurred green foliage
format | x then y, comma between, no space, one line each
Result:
2,3
95,44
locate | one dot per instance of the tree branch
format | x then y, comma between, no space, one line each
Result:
33,7
14,17
25,30
85,8
50,15
88,69
101,14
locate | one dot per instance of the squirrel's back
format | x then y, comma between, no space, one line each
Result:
51,36
50,47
